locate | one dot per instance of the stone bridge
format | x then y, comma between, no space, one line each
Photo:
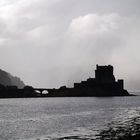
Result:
41,90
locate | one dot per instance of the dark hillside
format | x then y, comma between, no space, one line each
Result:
7,79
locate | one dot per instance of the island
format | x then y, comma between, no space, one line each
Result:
103,85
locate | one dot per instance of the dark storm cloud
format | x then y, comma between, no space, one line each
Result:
49,43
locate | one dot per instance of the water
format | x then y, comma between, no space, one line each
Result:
63,118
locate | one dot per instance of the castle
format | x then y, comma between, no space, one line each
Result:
104,84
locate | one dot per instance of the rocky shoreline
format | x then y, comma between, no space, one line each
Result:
130,130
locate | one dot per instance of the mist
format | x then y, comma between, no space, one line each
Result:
58,42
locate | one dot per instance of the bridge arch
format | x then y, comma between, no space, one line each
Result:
37,91
45,92
41,91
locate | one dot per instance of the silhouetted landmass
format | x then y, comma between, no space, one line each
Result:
7,79
104,84
15,92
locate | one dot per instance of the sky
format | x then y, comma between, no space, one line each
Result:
51,43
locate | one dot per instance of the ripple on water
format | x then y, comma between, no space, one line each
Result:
64,118
122,125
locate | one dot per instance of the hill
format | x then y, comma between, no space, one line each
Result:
7,79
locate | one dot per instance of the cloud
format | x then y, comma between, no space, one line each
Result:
52,43
93,37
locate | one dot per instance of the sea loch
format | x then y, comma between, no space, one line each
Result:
63,118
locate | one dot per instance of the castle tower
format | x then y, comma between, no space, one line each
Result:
120,83
104,74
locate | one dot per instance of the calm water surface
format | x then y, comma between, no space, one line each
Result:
55,118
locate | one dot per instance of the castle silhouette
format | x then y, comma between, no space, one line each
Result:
104,84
